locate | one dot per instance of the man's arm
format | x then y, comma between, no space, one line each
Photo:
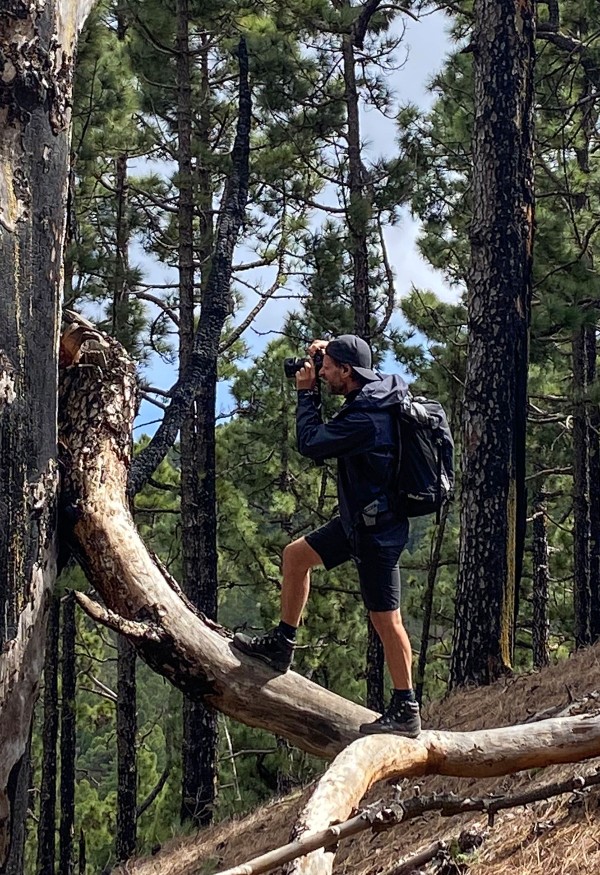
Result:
342,436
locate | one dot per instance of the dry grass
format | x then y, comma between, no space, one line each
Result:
555,837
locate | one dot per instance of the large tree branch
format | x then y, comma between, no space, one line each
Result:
216,299
145,604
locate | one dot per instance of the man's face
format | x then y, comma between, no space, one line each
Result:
335,376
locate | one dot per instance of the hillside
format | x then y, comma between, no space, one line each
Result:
556,837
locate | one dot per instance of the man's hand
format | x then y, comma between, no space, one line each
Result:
306,377
317,346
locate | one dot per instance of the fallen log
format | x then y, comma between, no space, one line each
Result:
380,817
139,597
482,754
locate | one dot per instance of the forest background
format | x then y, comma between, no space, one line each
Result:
120,761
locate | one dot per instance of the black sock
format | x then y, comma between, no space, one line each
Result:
288,631
403,696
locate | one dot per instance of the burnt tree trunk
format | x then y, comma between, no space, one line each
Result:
46,834
197,441
37,43
357,218
68,740
126,750
582,595
493,504
432,571
541,582
21,778
358,212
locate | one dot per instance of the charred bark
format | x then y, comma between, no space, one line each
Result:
197,446
19,788
46,834
499,298
126,750
359,209
432,572
541,582
37,43
582,596
68,740
374,670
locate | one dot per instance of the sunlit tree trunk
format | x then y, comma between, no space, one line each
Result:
493,503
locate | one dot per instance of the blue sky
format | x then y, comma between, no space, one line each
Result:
423,51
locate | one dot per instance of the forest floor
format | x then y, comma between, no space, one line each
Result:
560,836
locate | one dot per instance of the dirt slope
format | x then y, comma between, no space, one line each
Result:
559,837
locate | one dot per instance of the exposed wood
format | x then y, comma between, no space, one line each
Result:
379,817
68,739
477,754
97,404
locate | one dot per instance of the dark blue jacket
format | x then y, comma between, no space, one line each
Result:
363,437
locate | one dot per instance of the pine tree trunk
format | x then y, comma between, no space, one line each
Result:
432,572
120,314
359,209
46,835
499,285
357,217
68,740
541,581
374,670
126,750
582,596
35,96
197,479
21,777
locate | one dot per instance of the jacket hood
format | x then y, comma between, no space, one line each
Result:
391,389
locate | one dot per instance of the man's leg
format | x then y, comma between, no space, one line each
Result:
403,715
298,560
276,648
396,646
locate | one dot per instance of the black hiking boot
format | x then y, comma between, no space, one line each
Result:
273,648
401,718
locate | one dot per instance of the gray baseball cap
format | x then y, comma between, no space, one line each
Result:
348,349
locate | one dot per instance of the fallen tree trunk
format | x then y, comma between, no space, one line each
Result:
140,599
380,817
142,602
483,754
324,821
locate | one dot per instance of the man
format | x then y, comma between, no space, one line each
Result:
364,439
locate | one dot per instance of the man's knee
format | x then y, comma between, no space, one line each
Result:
300,555
386,621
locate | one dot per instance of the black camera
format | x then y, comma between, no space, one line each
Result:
293,365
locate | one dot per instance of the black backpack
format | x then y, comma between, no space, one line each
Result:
425,476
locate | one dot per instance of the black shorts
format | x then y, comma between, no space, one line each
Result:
376,553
